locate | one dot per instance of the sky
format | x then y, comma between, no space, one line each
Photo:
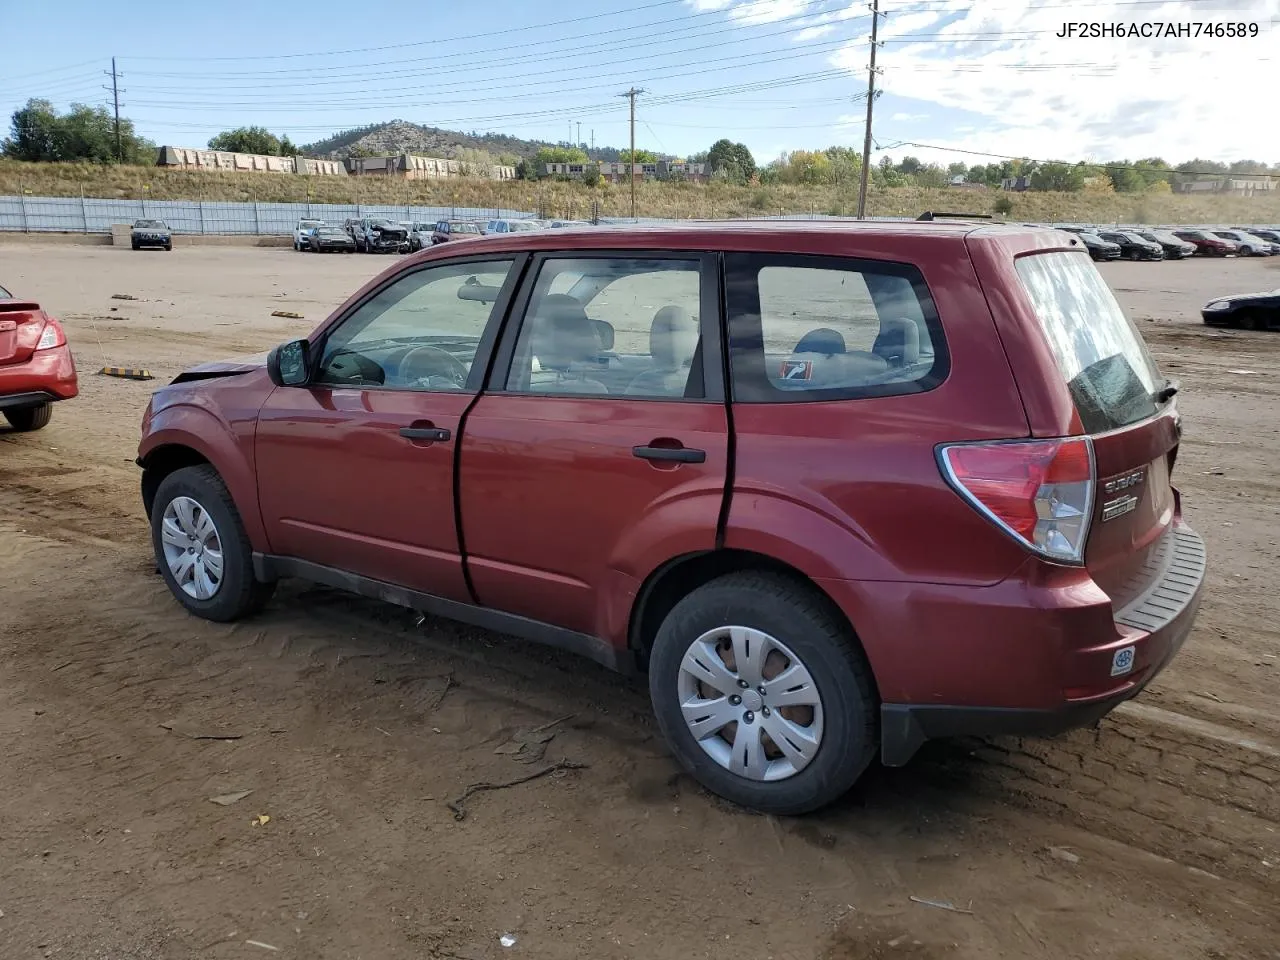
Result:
967,80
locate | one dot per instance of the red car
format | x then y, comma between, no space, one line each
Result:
36,367
837,487
1207,244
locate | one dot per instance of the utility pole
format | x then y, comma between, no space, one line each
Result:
578,142
631,95
115,101
593,142
871,99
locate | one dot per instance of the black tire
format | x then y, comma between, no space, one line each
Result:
135,246
168,246
801,618
26,419
239,594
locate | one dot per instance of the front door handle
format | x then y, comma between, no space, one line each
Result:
670,454
425,433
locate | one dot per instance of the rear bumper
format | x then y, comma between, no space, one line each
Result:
1029,659
48,375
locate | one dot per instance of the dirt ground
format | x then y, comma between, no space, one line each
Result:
352,725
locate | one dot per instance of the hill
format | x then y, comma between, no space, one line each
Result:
400,136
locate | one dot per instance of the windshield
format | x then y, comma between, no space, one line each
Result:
5,294
1101,355
149,224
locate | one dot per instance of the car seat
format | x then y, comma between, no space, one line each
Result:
898,342
673,342
563,335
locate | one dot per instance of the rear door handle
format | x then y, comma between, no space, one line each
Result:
672,454
425,433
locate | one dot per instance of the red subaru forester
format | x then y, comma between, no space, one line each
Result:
837,487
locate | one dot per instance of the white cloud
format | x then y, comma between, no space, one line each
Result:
766,11
1057,97
909,117
813,33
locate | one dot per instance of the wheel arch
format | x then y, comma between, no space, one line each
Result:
163,461
680,576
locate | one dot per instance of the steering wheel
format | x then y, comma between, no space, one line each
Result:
431,362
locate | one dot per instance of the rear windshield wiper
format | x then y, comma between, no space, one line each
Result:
1166,393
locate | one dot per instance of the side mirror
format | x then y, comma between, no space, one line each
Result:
288,364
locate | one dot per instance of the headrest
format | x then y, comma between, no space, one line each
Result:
563,333
673,338
822,340
898,341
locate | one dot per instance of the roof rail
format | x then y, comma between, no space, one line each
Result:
931,215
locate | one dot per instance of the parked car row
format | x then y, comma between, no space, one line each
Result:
381,235
1174,243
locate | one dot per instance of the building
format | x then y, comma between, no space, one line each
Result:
958,182
189,158
413,167
1239,186
1015,183
616,171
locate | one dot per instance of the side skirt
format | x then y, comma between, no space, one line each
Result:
268,568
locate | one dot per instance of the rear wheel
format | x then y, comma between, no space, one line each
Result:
762,693
201,546
26,419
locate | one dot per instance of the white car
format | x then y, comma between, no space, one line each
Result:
511,226
302,230
1247,245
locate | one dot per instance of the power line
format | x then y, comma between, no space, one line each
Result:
419,43
574,48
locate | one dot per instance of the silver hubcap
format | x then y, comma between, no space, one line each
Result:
750,703
192,548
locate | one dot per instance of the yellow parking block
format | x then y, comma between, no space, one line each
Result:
128,373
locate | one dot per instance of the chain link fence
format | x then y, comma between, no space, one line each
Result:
26,214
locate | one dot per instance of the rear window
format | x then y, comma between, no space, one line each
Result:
1101,355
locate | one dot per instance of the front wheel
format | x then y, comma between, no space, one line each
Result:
763,694
26,419
201,546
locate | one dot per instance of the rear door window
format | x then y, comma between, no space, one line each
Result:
1099,352
828,328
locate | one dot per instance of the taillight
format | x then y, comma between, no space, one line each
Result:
52,336
1039,491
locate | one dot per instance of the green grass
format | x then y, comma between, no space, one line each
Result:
573,200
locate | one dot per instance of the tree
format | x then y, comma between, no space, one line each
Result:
248,140
83,133
909,166
1003,206
642,156
807,167
732,161
846,164
287,149
958,169
1059,177
930,175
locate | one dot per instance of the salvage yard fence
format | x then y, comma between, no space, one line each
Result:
25,214
85,215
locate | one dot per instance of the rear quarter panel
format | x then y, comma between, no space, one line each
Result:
851,489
